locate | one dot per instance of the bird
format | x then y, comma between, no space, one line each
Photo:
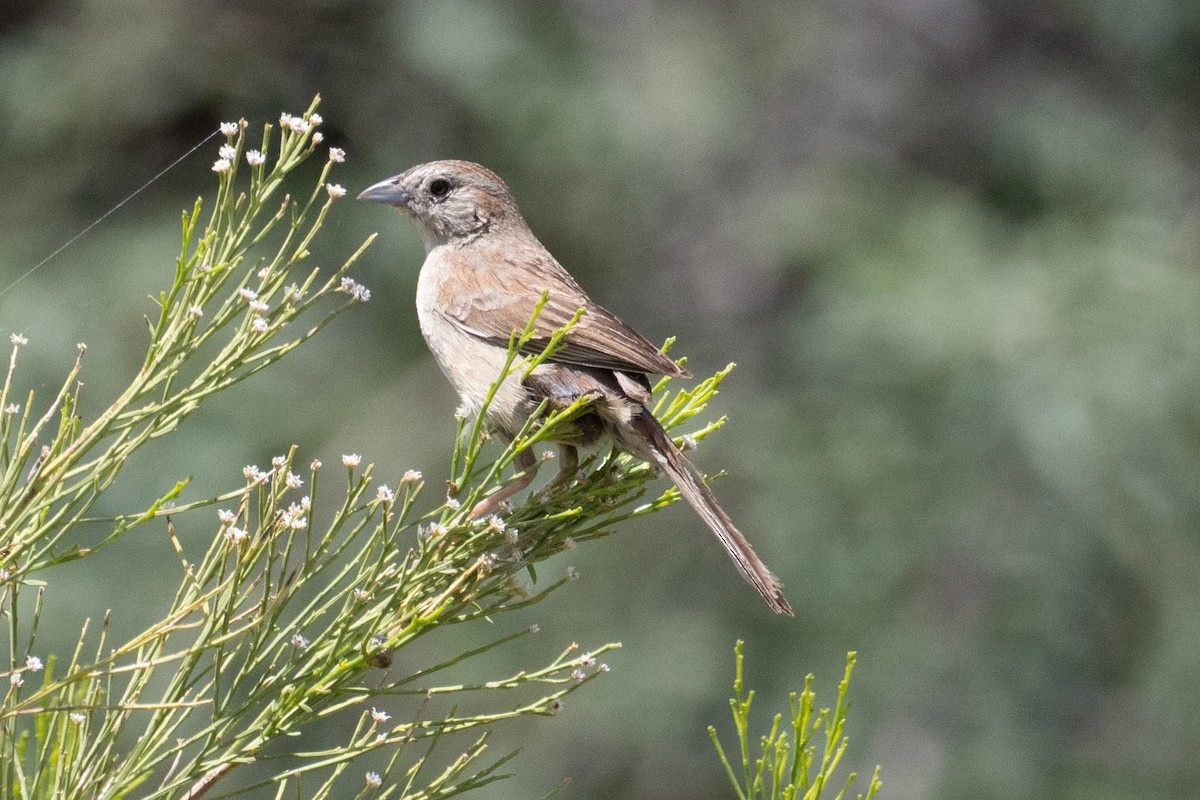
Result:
483,276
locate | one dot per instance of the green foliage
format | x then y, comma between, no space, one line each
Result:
301,608
785,770
952,246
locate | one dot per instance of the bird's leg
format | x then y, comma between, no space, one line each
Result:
527,467
568,460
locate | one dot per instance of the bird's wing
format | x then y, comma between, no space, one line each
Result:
598,339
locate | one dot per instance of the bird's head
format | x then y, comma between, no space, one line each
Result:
453,202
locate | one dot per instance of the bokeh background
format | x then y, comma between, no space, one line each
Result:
951,244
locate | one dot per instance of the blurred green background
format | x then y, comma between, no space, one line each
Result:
952,245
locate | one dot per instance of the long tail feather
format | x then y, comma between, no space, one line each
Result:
691,484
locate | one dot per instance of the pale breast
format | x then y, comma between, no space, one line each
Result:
471,364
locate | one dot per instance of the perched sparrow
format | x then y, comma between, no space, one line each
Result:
484,272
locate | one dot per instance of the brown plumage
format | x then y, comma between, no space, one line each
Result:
483,275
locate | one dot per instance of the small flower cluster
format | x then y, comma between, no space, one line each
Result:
32,664
355,289
225,156
288,122
434,529
294,516
258,308
298,124
254,475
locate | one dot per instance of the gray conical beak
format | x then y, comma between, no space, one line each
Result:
387,191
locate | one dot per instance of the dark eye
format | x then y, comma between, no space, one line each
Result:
439,188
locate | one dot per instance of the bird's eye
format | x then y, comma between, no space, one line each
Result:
439,188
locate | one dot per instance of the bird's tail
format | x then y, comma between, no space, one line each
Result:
690,481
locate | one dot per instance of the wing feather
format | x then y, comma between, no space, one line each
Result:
599,339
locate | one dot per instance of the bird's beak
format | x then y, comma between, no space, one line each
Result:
388,191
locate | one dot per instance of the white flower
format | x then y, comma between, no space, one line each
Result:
373,780
235,536
299,642
278,462
379,716
11,408
18,339
437,529
196,311
318,137
248,294
351,460
572,573
315,465
298,523
229,128
587,660
33,663
226,516
76,717
254,158
355,289
259,306
263,274
453,503
259,324
335,189
411,476
227,152
385,494
337,154
315,119
360,594
285,120
81,346
221,165
306,502
688,442
293,481
535,628
577,675
16,679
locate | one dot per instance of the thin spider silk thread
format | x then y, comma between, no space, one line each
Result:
112,210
